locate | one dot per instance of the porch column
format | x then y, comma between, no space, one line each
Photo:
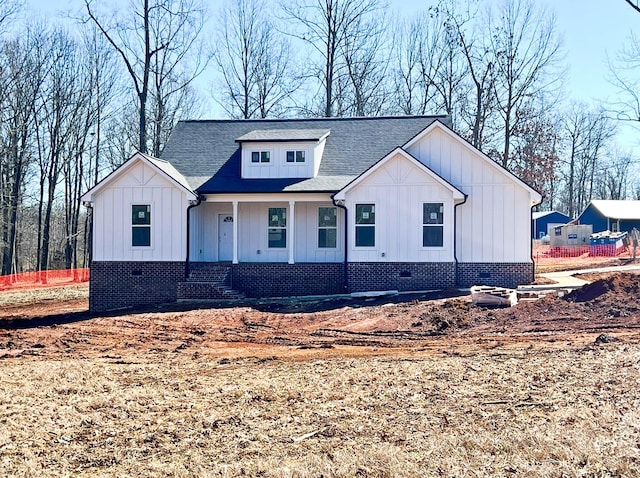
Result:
291,227
235,232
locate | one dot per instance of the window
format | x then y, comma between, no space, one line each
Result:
277,227
295,156
432,224
141,225
365,225
327,227
260,156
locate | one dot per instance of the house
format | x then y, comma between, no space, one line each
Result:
306,207
543,222
611,215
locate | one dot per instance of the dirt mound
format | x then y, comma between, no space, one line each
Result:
619,287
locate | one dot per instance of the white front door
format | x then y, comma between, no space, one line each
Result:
225,237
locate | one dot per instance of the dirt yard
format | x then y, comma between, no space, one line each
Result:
424,385
55,323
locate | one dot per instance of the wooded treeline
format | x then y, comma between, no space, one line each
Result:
81,95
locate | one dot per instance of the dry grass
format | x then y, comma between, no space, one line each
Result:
43,295
573,413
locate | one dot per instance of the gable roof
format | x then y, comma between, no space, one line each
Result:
457,194
207,155
536,197
160,165
539,214
617,209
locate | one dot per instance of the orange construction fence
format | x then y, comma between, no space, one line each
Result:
29,280
593,250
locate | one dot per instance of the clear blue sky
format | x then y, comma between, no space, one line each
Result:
591,29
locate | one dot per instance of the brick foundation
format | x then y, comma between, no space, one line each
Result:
116,285
257,279
402,276
503,275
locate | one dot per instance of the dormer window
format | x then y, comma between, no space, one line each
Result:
260,156
295,156
281,153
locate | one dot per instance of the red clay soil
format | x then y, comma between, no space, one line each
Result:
608,309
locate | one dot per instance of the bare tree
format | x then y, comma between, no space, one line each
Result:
587,133
449,68
23,62
152,28
258,75
480,100
535,155
8,10
325,27
526,49
634,4
410,93
366,56
62,122
613,176
624,75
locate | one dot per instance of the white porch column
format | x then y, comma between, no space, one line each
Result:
291,228
235,232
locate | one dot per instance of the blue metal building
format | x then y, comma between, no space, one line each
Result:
542,222
611,215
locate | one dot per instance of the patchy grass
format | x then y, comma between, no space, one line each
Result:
10,298
574,412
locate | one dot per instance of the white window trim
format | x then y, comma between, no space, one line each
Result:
375,227
285,228
337,246
131,225
444,226
295,150
260,163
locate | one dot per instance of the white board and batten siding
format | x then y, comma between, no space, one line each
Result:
253,241
494,225
140,184
278,167
306,234
398,189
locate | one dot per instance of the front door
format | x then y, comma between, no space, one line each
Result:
225,237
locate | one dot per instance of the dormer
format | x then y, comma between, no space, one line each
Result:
282,153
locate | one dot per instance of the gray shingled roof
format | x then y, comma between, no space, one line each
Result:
283,135
207,155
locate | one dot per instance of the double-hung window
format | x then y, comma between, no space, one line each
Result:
432,224
141,225
295,156
327,227
277,227
365,225
260,156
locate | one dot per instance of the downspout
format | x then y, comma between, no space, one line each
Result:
455,235
187,268
345,270
89,206
533,261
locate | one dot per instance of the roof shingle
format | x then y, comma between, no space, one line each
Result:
207,155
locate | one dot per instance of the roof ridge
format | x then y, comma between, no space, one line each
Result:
333,119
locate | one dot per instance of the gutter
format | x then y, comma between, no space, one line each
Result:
345,266
187,268
455,234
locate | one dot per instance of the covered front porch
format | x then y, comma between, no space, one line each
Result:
260,228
